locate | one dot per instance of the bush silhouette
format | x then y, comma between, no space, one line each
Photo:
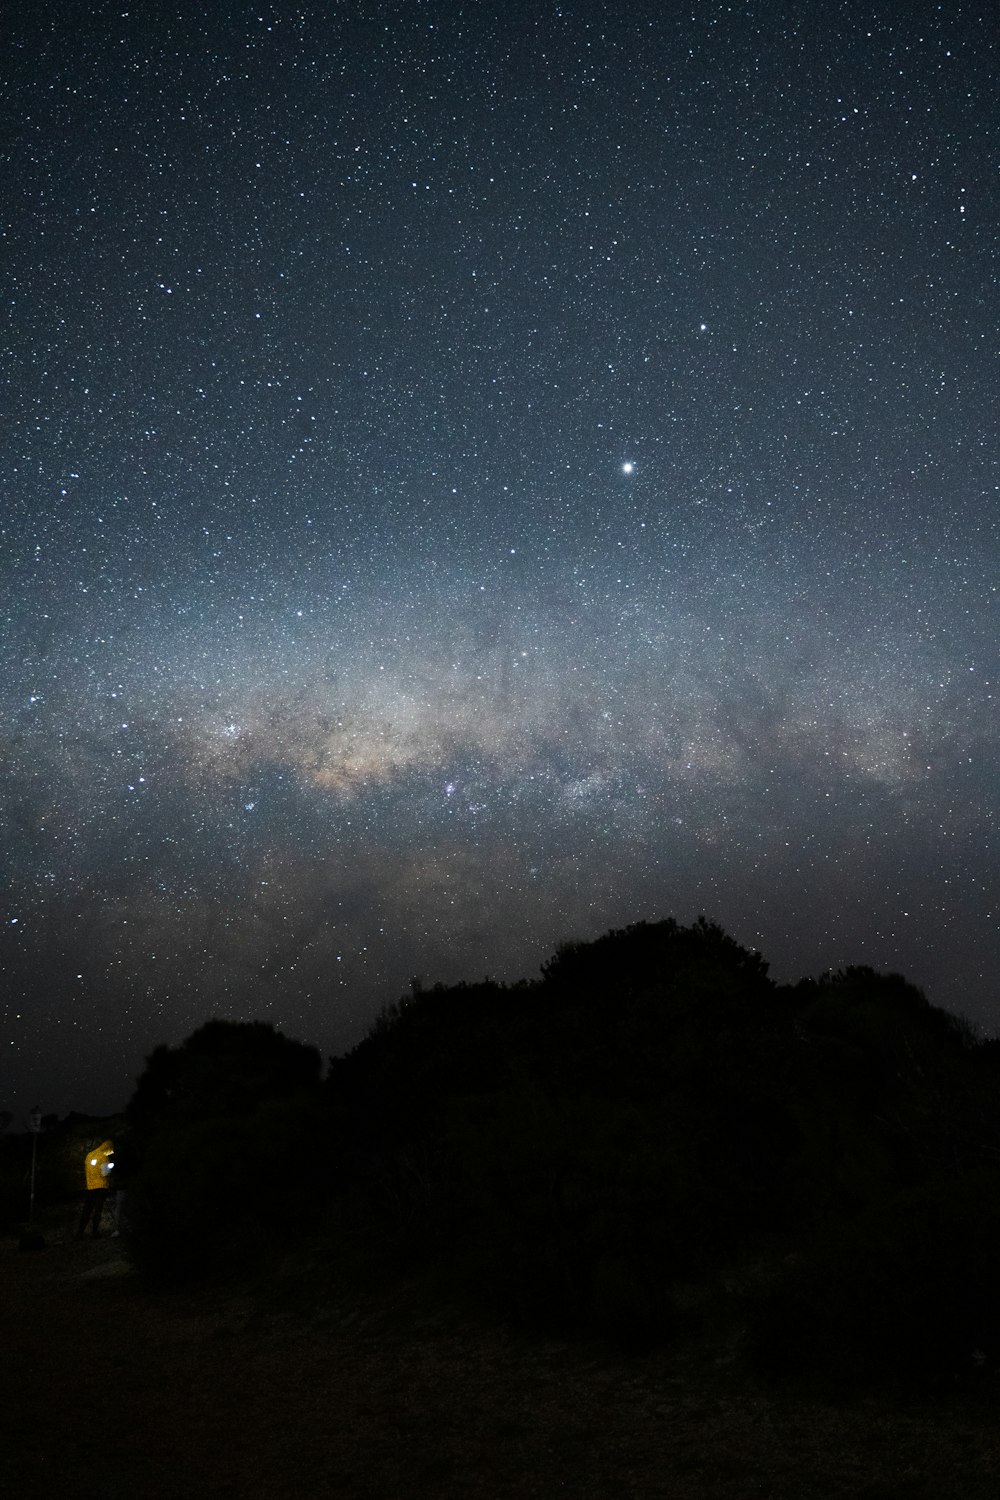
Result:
906,1293
225,1068
233,1151
656,1110
577,1143
653,1113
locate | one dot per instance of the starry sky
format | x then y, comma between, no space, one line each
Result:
476,474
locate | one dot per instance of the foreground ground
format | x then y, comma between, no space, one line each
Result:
301,1386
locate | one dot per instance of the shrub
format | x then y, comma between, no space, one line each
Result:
215,1196
907,1293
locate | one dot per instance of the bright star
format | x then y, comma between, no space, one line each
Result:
628,467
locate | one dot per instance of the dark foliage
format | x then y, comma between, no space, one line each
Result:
219,1195
651,1117
224,1068
906,1293
231,1151
650,1114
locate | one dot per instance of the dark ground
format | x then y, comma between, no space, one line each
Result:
301,1386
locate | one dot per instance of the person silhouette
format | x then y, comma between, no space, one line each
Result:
98,1166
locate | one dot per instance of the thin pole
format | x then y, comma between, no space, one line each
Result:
34,1125
31,1206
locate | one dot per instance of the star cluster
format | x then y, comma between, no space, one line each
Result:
474,475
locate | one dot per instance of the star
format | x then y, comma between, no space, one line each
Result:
461,684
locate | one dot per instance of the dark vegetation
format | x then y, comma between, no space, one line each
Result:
651,1141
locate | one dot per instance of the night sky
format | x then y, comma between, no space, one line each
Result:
476,474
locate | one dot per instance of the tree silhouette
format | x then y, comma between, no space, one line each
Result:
225,1068
231,1144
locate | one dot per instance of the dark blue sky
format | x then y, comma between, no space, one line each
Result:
477,474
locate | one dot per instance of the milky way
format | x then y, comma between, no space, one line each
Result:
476,475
